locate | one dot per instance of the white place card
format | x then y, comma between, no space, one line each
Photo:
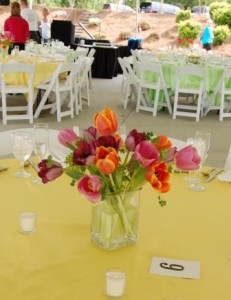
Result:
175,267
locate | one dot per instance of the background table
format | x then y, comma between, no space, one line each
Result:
105,64
59,261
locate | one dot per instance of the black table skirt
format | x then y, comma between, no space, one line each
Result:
105,64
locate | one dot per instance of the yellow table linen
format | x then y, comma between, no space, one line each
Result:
59,262
44,69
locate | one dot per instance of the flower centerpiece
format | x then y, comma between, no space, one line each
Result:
110,172
6,41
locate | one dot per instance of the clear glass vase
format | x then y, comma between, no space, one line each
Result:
4,51
114,222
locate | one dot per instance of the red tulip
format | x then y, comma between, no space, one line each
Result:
146,154
107,141
158,176
67,136
133,139
187,159
106,122
90,186
49,170
106,160
83,154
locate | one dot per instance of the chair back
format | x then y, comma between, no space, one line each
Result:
26,73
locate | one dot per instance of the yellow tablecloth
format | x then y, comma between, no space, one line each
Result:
59,261
44,69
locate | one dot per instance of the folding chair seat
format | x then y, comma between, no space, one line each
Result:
61,85
129,81
151,79
221,98
25,87
189,81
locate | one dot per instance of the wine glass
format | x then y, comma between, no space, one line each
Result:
41,143
202,144
190,178
22,147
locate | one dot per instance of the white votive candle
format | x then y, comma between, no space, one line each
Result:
27,221
115,282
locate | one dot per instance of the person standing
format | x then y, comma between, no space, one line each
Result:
32,18
17,27
45,26
207,36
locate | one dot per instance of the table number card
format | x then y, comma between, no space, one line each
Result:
175,267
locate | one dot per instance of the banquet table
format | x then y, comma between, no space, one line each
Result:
59,261
44,67
213,74
105,64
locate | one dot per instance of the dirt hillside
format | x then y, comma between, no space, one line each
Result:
162,31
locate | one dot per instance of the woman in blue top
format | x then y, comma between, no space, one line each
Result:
207,36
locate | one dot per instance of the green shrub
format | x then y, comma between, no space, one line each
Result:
221,33
188,30
222,16
144,26
213,7
183,16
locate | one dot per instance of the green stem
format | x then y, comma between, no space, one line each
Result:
127,226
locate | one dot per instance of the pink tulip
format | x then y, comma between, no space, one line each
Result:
187,159
90,134
146,154
67,136
90,186
49,170
133,139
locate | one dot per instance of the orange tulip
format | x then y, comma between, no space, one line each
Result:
163,143
106,122
106,159
158,176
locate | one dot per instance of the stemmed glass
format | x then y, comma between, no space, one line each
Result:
22,147
190,177
41,142
201,143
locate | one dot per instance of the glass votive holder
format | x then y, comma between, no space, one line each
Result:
115,280
27,222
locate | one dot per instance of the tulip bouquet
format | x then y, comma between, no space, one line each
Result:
6,41
101,163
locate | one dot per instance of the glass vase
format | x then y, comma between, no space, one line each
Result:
4,51
114,222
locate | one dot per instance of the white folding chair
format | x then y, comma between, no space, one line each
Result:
62,85
91,54
79,52
26,73
129,81
135,59
189,80
83,65
151,78
221,98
